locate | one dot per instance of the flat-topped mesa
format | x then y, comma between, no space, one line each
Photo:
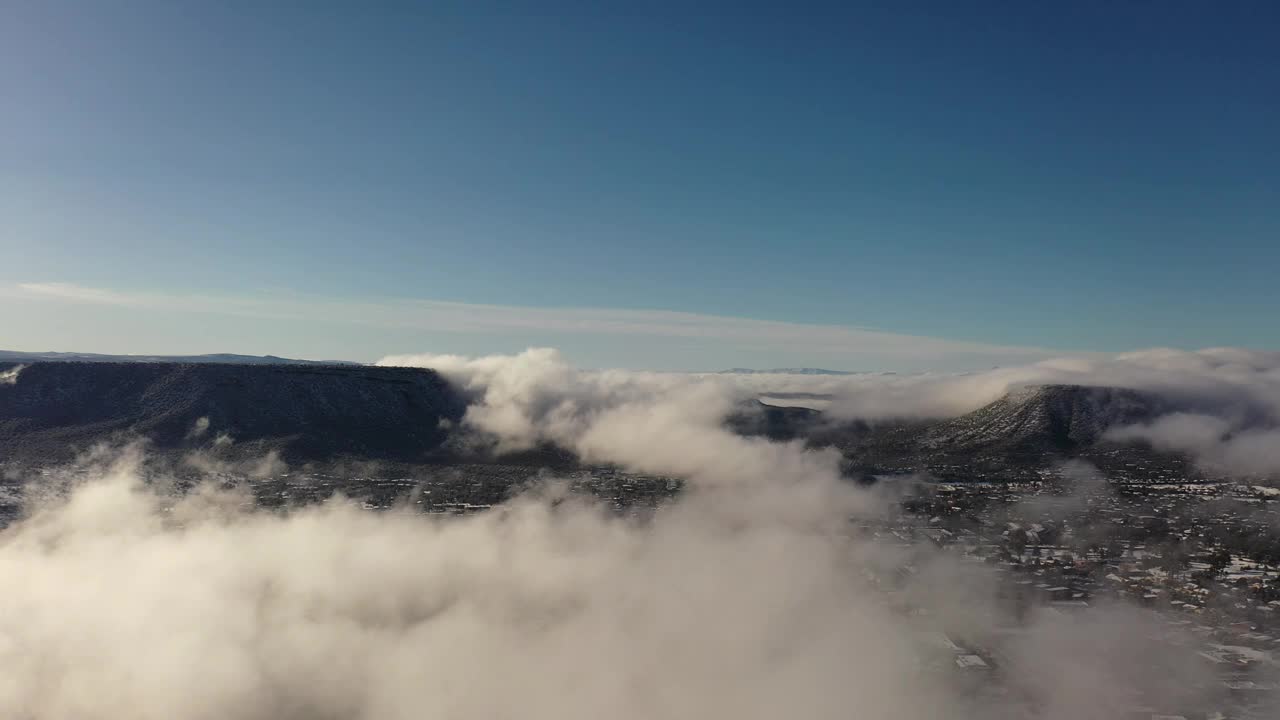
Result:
52,410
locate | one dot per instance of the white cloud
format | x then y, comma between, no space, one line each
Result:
10,376
79,293
1178,431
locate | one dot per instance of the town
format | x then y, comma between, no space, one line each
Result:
1197,562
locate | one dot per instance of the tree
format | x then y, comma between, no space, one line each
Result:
1219,560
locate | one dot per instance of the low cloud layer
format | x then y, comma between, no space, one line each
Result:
659,423
122,601
1226,401
1223,380
1217,442
119,606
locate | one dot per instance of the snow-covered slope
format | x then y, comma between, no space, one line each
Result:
1044,418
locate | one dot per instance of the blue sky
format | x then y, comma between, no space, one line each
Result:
998,178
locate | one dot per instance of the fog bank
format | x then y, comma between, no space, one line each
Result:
1228,401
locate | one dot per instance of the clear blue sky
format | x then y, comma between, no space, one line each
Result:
1091,176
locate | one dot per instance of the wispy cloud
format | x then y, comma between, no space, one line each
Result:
456,317
78,293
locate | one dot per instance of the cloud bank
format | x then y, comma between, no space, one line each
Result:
1228,402
123,601
1228,399
659,423
1219,379
120,603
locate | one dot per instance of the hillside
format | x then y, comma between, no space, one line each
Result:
51,410
1045,418
774,422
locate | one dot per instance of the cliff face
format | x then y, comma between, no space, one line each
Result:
51,410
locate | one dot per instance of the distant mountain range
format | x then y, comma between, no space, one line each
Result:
788,371
19,357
